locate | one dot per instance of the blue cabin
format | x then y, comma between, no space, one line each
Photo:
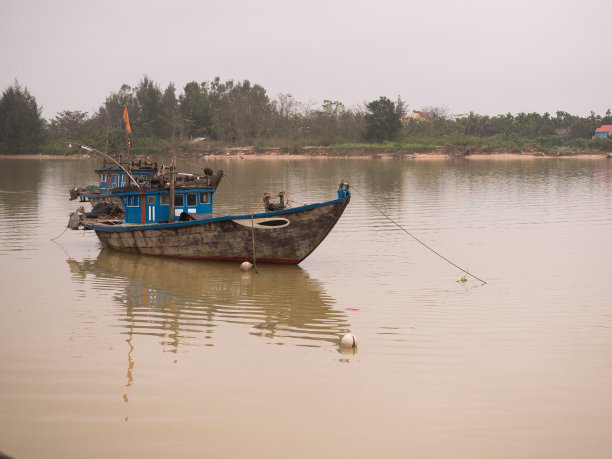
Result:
153,206
115,177
111,177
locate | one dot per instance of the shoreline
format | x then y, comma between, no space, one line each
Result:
439,154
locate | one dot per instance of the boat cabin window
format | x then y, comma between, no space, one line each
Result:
204,198
191,199
151,200
114,180
179,200
164,199
132,201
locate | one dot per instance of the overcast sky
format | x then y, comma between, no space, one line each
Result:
486,56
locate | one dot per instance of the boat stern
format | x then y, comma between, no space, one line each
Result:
343,190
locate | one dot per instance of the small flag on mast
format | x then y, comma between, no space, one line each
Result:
126,118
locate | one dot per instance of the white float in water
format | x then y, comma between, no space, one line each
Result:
246,266
348,340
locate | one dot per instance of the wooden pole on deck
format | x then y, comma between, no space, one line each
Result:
171,206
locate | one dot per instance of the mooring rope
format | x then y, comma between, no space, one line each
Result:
253,233
299,204
253,227
415,238
57,237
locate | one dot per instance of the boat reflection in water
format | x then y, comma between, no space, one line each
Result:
183,301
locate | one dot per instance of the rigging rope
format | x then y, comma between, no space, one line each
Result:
253,233
415,238
253,229
231,188
57,237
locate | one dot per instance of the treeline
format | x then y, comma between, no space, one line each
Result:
523,125
240,113
230,113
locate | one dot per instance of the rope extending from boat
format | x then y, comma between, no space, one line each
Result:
415,238
253,228
253,233
57,237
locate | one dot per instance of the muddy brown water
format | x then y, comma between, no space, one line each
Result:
110,355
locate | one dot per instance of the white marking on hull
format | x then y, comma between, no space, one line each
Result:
264,223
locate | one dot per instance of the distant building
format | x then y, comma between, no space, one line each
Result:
417,116
562,132
604,131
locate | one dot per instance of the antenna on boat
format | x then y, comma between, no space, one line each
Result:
93,150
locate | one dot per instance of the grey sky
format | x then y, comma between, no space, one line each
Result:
490,57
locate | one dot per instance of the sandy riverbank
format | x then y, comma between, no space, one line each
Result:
309,153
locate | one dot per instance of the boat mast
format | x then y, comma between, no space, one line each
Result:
171,206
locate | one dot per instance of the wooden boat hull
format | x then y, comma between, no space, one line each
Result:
284,236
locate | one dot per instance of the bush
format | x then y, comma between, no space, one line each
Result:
549,141
60,147
599,144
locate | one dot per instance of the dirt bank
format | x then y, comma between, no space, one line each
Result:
437,153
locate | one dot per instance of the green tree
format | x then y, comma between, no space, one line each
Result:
70,125
383,119
352,125
195,109
149,102
241,112
109,118
582,128
286,117
170,117
22,129
324,125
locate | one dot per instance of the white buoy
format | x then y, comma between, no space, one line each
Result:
349,340
246,266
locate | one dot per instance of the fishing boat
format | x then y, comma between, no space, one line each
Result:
113,175
172,215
